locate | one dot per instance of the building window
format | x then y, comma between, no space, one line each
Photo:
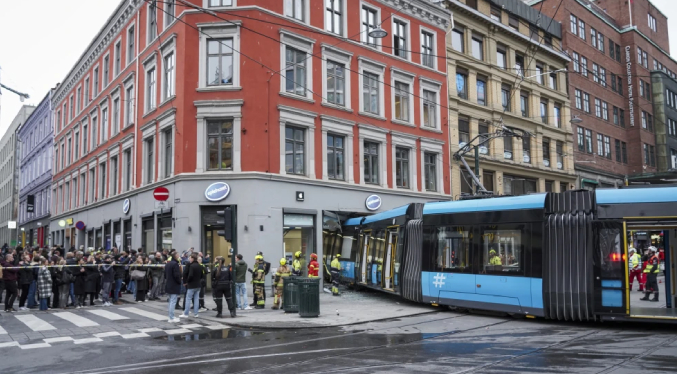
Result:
501,59
598,108
600,42
369,22
652,22
584,66
526,149
371,163
92,183
102,187
401,167
168,156
152,22
544,111
588,141
78,99
129,106
505,97
370,92
219,62
559,150
335,157
483,139
558,115
462,84
496,13
219,3
605,110
427,49
150,90
507,148
673,158
95,88
478,46
463,130
104,125
131,47
573,20
400,39
117,55
593,37
114,175
576,61
68,155
150,160
170,7
294,9
581,29
624,148
546,152
579,99
336,82
481,91
72,109
513,22
539,73
553,81
402,101
524,104
116,116
169,76
586,102
334,16
457,39
615,113
76,146
106,66
85,138
607,147
220,144
519,65
430,164
617,144
295,150
429,109
127,159
295,72
600,145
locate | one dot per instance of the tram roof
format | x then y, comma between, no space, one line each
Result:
636,195
378,216
534,201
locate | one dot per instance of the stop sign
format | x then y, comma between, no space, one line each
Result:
161,194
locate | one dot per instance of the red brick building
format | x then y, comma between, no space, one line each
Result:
287,110
624,131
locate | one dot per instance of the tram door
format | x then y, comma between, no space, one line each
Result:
609,271
365,258
389,272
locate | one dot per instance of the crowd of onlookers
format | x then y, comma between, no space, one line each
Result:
47,278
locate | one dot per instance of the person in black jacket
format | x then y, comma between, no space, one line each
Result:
192,284
25,280
107,277
173,279
91,279
222,280
120,271
79,286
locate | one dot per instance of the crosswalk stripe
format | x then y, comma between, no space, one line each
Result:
9,344
134,336
216,327
141,312
106,334
178,331
76,319
153,329
191,326
36,345
109,315
2,331
87,340
35,323
57,340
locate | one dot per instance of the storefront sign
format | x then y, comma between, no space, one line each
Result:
631,99
62,223
69,221
125,206
300,196
373,202
294,220
80,225
118,240
11,224
217,191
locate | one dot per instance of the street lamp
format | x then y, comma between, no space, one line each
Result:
576,120
378,33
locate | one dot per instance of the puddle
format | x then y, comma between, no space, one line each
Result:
211,335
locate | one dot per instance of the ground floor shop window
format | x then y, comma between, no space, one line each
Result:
299,235
98,241
147,232
165,231
117,238
90,239
127,226
213,245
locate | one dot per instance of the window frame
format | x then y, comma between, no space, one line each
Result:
424,32
342,14
368,133
305,12
337,56
219,31
301,119
365,26
369,66
407,30
304,45
338,127
150,93
151,34
427,84
208,121
168,89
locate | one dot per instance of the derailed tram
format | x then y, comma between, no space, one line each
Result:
559,256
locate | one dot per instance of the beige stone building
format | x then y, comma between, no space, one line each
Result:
499,74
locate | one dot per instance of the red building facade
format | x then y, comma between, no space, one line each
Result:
291,104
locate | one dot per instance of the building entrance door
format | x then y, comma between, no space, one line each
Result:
299,236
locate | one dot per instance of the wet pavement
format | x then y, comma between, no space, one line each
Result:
440,342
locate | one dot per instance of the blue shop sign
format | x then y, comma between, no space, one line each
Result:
373,202
217,191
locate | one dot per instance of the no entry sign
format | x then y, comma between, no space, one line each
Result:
161,194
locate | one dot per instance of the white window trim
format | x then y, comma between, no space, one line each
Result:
304,44
205,4
403,140
219,31
122,66
167,122
306,12
433,146
115,95
76,133
113,154
103,87
78,99
103,135
132,116
167,48
71,111
434,86
129,58
434,34
102,159
377,68
218,109
127,146
377,135
338,126
148,133
339,56
69,155
157,32
149,64
168,20
84,122
397,75
302,119
98,78
378,18
344,18
408,36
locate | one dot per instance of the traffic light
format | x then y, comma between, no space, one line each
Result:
225,223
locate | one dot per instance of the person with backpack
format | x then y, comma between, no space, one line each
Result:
66,279
222,279
107,278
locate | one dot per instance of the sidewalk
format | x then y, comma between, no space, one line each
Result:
348,309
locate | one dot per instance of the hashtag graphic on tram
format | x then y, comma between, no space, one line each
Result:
439,280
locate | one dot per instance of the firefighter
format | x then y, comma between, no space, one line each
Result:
258,279
282,273
313,267
222,279
296,265
335,275
635,268
651,271
494,259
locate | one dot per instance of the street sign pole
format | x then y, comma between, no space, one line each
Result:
233,243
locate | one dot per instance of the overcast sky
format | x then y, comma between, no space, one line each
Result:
41,40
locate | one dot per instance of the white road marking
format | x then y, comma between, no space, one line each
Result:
178,331
134,336
141,312
106,334
33,346
108,315
35,323
191,326
153,329
76,319
9,344
57,340
216,327
87,340
2,331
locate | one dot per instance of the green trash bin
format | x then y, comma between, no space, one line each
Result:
309,303
290,295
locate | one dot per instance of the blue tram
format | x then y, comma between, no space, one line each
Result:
553,255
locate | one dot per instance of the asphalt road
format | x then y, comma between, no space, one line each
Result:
440,342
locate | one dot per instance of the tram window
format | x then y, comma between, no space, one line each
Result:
503,249
610,252
453,249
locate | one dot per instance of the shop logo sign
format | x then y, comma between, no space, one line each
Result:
217,191
373,202
125,206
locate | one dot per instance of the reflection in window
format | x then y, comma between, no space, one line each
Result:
453,249
501,251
